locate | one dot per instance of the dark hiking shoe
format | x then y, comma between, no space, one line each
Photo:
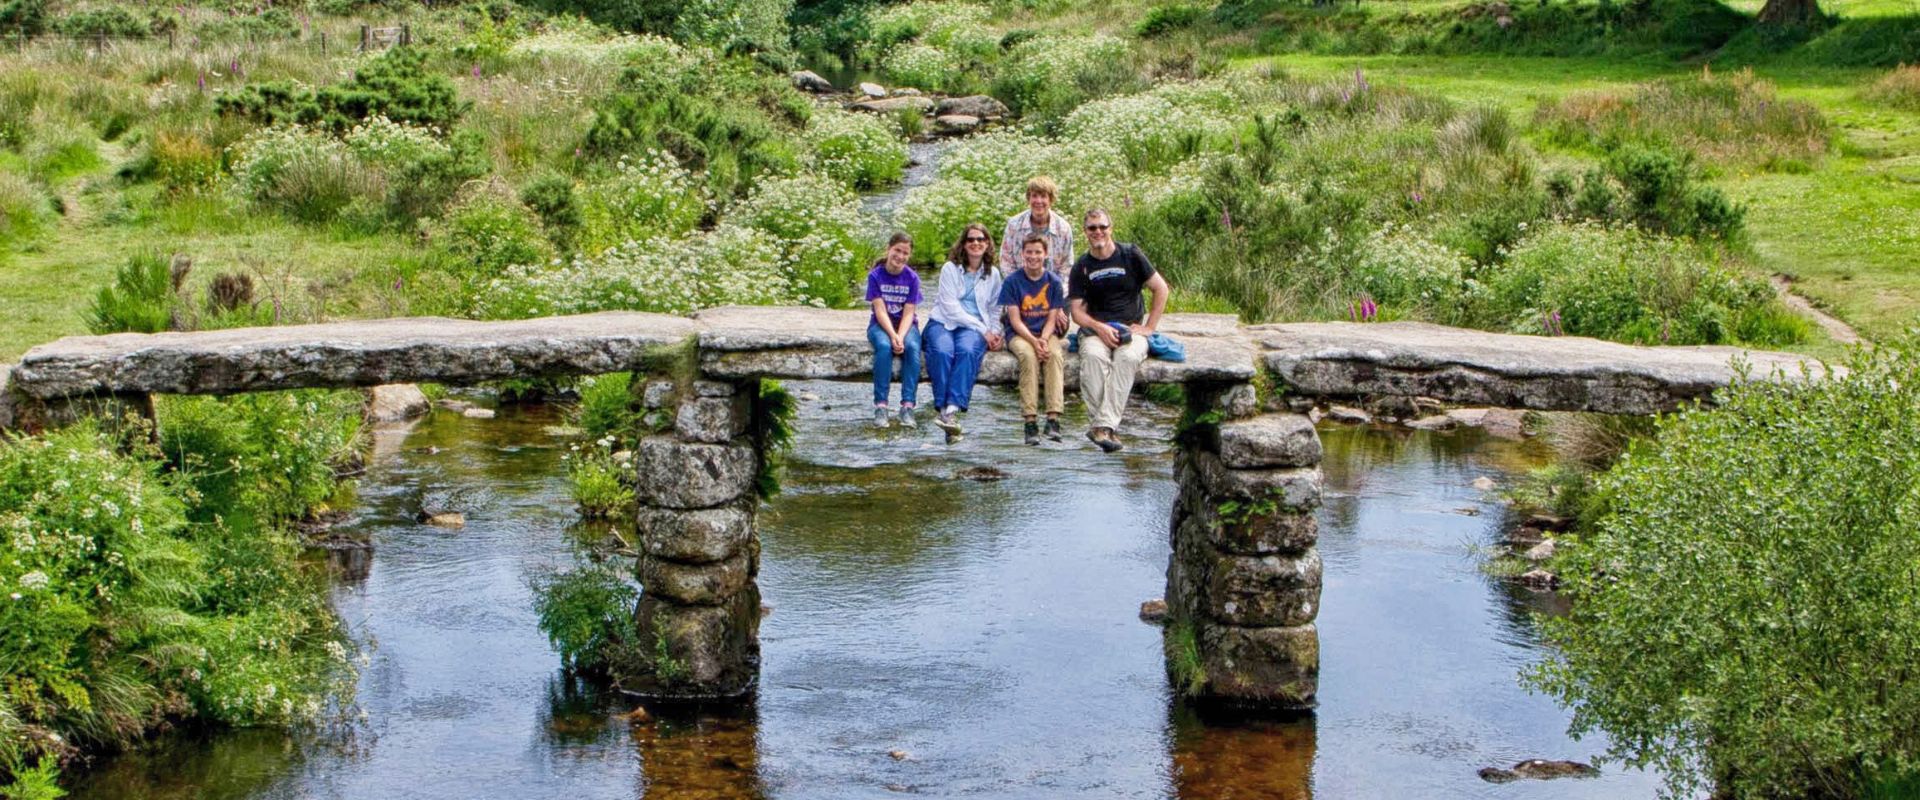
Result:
1111,442
1053,429
1033,433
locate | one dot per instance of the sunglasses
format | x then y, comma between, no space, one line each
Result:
1098,227
972,239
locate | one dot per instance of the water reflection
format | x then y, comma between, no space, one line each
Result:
700,756
1229,757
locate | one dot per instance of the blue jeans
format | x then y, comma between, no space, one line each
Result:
883,364
953,363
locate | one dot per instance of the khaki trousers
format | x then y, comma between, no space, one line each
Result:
1034,372
1106,377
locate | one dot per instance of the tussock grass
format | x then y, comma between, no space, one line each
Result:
1728,119
1899,88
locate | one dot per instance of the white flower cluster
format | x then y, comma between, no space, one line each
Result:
1044,59
584,47
266,154
937,23
1089,172
1146,120
1403,269
923,65
649,195
858,150
387,144
730,264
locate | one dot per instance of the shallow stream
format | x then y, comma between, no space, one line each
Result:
987,630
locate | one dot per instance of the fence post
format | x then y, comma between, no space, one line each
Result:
366,36
323,43
169,38
406,34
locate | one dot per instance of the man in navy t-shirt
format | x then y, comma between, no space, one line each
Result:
1103,289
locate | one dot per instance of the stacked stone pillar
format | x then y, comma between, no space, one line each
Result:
1243,583
699,611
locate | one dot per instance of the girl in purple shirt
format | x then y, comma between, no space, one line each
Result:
893,288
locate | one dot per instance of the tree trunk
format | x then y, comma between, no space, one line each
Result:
1790,13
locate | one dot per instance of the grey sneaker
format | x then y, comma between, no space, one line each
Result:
880,416
1111,442
948,422
1052,429
906,417
1033,433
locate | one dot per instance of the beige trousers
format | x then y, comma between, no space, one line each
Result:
1034,373
1106,377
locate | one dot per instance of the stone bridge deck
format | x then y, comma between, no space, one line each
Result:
1306,359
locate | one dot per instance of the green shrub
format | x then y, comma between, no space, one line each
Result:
142,298
1162,20
1624,285
1662,192
1046,77
124,616
490,231
107,21
818,225
303,173
23,17
396,85
728,121
606,408
1744,614
551,198
182,162
260,460
587,614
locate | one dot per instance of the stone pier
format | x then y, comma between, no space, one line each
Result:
1243,580
696,486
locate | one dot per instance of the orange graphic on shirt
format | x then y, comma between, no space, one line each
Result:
1035,303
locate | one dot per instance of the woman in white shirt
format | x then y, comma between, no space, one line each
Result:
965,324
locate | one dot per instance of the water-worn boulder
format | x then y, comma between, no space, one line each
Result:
973,105
871,89
893,105
1274,440
955,124
1541,552
396,402
807,80
692,584
677,474
1153,611
1539,769
1348,415
699,536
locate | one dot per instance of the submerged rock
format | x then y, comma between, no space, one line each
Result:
1349,415
1539,769
444,519
478,413
1539,579
1154,611
983,474
1485,484
898,755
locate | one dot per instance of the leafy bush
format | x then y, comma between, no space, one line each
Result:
1744,614
649,195
600,479
1162,20
141,299
727,118
1661,192
23,17
1899,88
259,460
606,407
587,614
1045,77
299,171
396,85
551,198
122,614
1627,286
1726,119
490,230
1405,272
108,21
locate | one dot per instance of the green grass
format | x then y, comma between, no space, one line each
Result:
1848,231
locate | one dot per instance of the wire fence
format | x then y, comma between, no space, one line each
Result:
369,37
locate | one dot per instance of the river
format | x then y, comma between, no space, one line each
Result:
986,630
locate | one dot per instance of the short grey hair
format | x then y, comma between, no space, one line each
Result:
1096,211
